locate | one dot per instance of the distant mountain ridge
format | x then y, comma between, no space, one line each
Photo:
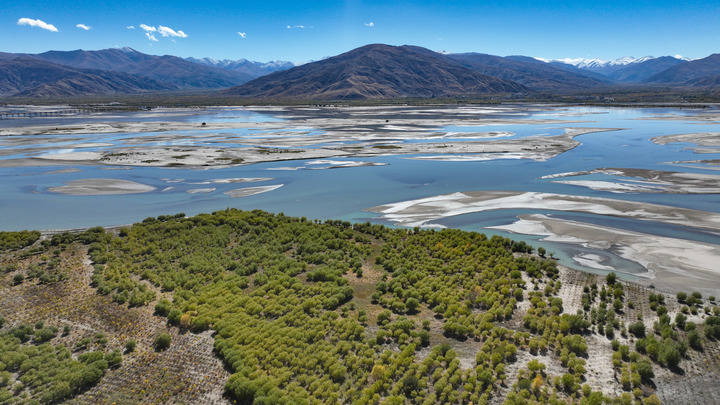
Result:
372,71
135,72
254,69
29,77
694,71
534,74
167,69
599,65
627,69
378,71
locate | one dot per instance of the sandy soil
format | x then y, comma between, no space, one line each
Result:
101,187
425,210
707,142
305,133
248,191
145,376
672,264
645,181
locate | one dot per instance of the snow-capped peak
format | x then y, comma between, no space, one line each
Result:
588,63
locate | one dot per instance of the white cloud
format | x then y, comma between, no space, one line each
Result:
242,35
37,23
295,27
130,27
165,32
83,27
169,32
369,24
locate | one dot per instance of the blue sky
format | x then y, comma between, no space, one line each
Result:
550,29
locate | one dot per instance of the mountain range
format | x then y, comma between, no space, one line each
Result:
372,71
378,71
148,73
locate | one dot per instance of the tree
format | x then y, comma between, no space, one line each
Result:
412,305
162,342
644,369
694,340
610,278
542,251
637,329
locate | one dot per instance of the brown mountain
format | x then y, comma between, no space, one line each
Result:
376,72
30,77
166,69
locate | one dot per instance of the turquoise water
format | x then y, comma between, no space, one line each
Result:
26,203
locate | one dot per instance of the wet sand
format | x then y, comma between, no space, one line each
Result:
248,191
672,264
101,187
301,133
644,181
422,212
707,142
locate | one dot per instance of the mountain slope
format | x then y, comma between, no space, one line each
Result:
169,70
689,71
29,77
710,82
641,71
377,71
603,67
534,74
244,66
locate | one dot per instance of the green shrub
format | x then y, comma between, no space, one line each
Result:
162,342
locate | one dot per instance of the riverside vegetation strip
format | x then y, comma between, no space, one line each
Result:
333,312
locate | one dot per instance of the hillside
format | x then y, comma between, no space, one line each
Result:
689,70
530,72
642,71
300,311
250,68
29,77
377,71
169,70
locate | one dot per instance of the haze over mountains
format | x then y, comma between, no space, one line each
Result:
148,72
372,71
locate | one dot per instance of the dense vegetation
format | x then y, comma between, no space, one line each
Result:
17,240
286,300
34,370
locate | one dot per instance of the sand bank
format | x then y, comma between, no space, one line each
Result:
248,191
644,181
301,133
425,210
707,142
101,187
672,264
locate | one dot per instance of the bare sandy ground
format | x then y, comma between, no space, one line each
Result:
101,187
700,116
672,264
645,181
304,133
248,191
201,190
707,142
539,148
422,211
